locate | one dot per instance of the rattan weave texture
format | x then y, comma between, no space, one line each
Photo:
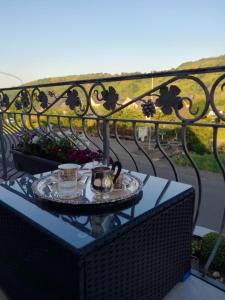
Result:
142,260
146,261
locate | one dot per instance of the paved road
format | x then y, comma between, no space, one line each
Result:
213,187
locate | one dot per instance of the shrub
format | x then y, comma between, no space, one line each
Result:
195,247
222,147
208,242
199,140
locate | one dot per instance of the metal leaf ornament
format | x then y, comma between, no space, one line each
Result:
25,99
4,100
18,104
73,99
110,97
43,99
169,100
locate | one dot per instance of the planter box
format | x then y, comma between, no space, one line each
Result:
32,164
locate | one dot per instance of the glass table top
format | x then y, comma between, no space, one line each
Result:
79,229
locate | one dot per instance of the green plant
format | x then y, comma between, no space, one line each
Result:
59,149
208,242
222,147
195,248
198,140
44,145
204,162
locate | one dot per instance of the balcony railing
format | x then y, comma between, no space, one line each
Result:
140,120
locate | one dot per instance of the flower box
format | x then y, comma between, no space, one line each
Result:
41,153
32,164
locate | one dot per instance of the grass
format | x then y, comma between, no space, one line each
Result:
205,162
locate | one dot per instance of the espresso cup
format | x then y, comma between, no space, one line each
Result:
67,179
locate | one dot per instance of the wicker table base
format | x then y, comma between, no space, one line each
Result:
143,260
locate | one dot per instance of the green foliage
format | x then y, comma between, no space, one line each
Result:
204,162
53,145
129,113
195,248
199,139
25,142
181,160
45,146
208,242
222,147
133,88
170,133
56,149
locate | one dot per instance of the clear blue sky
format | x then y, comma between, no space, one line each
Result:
41,38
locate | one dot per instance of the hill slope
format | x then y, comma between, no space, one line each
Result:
134,88
202,63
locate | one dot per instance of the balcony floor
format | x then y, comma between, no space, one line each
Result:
192,289
195,289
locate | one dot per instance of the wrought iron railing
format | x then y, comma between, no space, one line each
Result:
129,119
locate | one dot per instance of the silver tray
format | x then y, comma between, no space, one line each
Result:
46,189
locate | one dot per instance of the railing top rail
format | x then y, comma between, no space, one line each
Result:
127,77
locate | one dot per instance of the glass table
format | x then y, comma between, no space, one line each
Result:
139,251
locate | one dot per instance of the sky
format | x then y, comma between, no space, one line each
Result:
43,38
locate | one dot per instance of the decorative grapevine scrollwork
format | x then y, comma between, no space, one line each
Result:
22,100
222,86
215,86
169,100
110,98
4,100
76,98
18,104
148,108
43,99
104,101
73,99
52,94
39,99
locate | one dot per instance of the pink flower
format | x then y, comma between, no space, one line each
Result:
85,156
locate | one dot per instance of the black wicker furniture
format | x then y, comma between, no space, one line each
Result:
136,252
32,164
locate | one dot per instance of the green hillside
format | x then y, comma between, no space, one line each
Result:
69,78
204,63
134,88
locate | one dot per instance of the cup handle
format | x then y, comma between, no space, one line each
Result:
117,165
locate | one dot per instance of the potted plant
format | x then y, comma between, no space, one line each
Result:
37,153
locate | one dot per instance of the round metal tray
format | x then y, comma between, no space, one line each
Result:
46,189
